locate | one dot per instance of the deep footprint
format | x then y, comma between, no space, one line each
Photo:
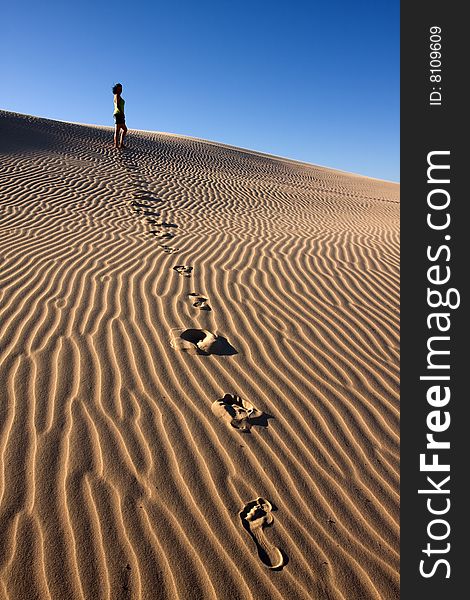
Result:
168,249
140,204
240,413
165,224
201,341
163,236
200,302
255,517
181,269
145,196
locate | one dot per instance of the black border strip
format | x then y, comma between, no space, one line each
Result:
424,129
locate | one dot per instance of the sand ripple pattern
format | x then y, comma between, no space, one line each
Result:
117,481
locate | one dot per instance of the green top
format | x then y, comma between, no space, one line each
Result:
119,106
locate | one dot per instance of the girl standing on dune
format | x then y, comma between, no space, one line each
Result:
119,118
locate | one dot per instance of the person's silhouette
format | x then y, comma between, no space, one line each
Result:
119,117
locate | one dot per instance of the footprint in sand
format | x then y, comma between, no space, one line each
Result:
240,413
163,236
255,517
139,205
61,302
168,249
147,196
199,301
165,224
200,341
144,209
148,213
181,269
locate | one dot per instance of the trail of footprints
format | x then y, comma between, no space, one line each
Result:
143,205
236,412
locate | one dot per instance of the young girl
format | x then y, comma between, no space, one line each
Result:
119,118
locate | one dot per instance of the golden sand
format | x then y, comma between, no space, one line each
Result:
226,429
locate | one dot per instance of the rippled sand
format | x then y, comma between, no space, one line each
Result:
199,371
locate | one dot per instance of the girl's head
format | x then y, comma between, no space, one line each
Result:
117,88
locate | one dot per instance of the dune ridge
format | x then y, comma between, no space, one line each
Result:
117,480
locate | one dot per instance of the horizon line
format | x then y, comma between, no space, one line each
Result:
215,142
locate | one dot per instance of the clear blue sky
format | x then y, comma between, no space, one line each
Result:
316,81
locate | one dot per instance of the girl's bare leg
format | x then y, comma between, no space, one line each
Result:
116,135
123,134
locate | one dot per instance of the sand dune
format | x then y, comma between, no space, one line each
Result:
119,476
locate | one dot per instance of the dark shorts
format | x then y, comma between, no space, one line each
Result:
119,119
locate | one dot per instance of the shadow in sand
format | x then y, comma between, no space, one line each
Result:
143,206
146,197
240,413
208,343
262,420
148,213
22,133
165,224
182,270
